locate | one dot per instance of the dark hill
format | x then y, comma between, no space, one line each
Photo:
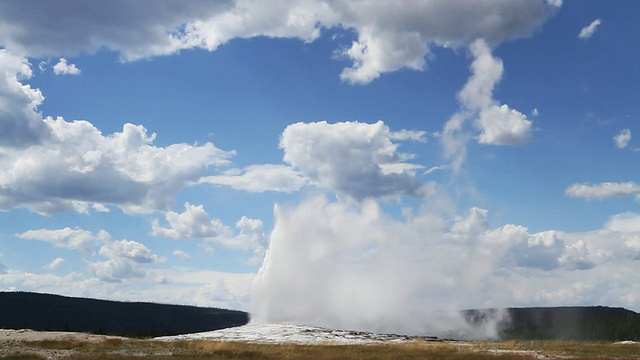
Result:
581,323
23,310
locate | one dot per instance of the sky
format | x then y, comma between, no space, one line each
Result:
322,162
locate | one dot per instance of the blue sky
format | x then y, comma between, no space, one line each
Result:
159,151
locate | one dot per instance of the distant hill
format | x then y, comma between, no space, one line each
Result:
23,310
588,323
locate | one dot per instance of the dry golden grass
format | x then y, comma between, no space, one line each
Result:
192,350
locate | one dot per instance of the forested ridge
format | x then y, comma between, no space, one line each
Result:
571,323
23,310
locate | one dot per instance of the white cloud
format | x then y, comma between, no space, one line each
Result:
603,190
76,239
259,178
20,123
587,31
130,250
54,264
395,35
78,166
390,35
125,258
622,139
137,29
626,222
188,286
503,126
195,223
182,255
63,68
355,159
498,124
125,261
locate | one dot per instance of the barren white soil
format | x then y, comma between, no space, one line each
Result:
295,334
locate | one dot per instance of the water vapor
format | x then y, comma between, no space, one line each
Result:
347,265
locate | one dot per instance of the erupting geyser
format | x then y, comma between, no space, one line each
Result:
347,265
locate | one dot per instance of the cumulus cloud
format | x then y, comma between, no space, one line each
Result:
78,166
20,123
587,31
390,35
182,255
603,190
54,264
622,139
352,158
75,239
626,222
195,223
397,35
125,259
259,178
63,68
498,123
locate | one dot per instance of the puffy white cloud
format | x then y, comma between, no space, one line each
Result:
603,190
20,123
125,259
63,68
542,250
78,166
352,158
498,124
130,250
76,239
54,264
622,139
195,223
390,35
503,126
395,34
259,178
626,222
182,255
587,31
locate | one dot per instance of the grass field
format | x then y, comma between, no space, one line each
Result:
187,350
